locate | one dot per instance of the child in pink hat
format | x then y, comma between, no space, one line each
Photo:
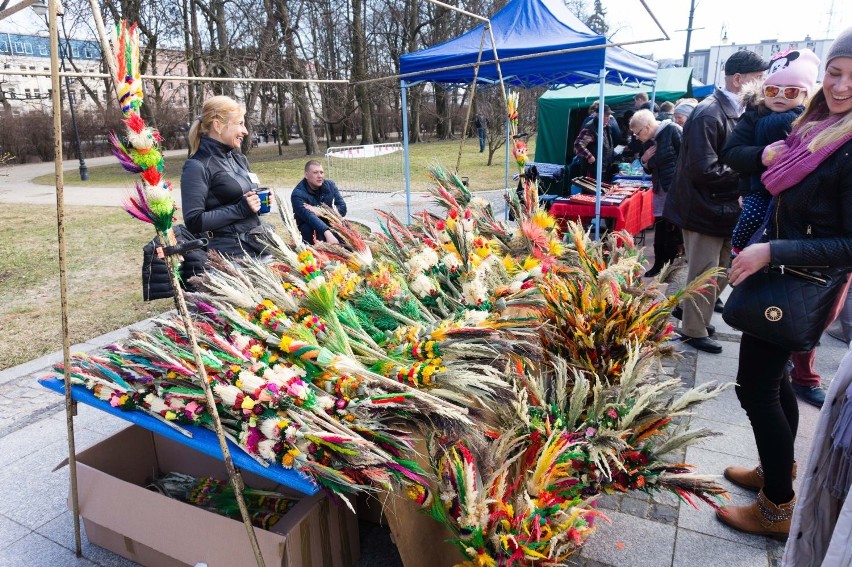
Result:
769,117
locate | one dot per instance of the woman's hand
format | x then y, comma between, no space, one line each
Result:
591,159
750,260
253,201
649,153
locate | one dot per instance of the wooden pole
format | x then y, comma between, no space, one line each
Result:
234,475
70,404
470,102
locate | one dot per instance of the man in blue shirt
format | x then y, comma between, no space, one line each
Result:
316,191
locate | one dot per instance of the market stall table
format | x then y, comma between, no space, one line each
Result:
634,214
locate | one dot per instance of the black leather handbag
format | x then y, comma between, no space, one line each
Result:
785,306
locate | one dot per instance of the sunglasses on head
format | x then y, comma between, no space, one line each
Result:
790,93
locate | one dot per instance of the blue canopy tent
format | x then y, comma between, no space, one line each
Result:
703,91
537,42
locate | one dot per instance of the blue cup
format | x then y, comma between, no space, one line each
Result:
265,201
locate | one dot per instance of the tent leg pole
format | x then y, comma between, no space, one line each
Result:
506,192
599,158
70,404
405,155
470,102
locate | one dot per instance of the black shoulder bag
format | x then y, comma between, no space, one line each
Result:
785,306
788,306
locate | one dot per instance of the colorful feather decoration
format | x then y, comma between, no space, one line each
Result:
138,151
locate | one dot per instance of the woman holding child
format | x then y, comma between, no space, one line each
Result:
809,176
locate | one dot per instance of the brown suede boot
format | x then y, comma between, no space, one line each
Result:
762,517
750,479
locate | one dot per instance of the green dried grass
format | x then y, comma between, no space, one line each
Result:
104,256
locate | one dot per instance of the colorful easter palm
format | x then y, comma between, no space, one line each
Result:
138,150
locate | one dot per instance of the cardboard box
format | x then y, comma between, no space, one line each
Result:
420,540
121,515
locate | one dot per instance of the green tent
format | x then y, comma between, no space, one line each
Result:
555,106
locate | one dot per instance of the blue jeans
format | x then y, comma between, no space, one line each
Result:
481,131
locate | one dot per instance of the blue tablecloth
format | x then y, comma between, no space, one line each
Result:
203,440
550,170
617,178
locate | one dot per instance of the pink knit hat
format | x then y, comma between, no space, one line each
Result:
793,68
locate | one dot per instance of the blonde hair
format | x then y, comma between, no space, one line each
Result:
219,107
641,118
815,112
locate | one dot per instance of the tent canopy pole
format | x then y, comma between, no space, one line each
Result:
599,158
405,156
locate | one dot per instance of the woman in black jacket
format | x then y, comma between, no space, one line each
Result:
810,178
218,192
660,160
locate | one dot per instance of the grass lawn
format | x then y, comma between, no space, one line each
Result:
104,256
285,171
105,249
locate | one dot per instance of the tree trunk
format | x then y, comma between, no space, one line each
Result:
297,70
265,52
359,71
222,66
442,110
281,119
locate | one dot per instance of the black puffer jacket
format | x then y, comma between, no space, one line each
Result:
758,127
662,165
703,196
213,187
812,221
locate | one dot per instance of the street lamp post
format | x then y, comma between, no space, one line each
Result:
40,8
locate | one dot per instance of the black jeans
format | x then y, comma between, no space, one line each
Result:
765,393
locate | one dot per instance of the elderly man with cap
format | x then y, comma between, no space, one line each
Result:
704,197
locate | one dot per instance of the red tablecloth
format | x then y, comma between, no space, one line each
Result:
634,214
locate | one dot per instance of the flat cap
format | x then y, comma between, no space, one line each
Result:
744,62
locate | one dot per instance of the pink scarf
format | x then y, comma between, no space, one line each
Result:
797,162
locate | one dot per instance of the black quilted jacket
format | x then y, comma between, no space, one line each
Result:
212,185
811,224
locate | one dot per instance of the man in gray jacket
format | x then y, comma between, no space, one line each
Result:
704,199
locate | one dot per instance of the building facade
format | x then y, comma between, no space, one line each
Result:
709,64
31,53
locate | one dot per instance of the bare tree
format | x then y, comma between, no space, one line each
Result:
296,69
359,70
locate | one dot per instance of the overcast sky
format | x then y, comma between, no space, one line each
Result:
746,21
